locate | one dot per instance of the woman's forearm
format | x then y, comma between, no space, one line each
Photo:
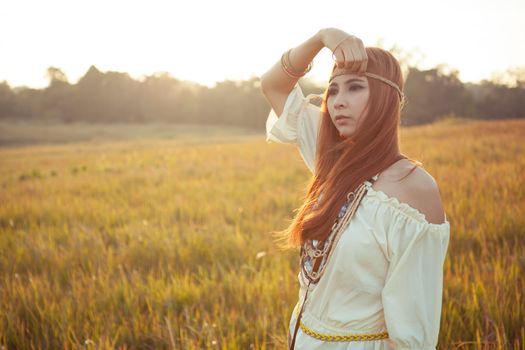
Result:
275,79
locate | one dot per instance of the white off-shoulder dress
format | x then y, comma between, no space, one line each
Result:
386,272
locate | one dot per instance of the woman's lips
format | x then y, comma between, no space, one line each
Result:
341,119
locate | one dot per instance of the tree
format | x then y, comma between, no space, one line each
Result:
7,101
55,75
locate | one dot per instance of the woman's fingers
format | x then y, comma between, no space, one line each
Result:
364,64
338,53
355,61
348,50
351,53
340,58
359,60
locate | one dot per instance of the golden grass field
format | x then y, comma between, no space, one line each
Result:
166,244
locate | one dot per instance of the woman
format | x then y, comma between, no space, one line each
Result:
374,281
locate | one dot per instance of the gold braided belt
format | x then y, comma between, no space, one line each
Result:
342,337
346,337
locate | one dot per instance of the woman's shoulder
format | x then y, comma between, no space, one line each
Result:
415,188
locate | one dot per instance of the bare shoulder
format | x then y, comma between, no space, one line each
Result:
418,189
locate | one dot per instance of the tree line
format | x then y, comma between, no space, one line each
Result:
105,97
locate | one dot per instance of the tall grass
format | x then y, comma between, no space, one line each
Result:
163,244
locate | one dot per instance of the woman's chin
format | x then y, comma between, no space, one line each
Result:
344,134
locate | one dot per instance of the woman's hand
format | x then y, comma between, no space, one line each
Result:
348,50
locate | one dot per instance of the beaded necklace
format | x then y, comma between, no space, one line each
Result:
317,255
318,252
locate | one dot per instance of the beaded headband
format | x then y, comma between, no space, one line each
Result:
340,71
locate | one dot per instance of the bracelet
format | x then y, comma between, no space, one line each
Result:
289,70
292,68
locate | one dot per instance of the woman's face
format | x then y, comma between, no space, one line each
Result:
346,101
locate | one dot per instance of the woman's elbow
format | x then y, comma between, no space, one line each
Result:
263,82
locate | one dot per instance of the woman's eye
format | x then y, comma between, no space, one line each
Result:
351,88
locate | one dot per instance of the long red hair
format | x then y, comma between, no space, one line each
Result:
342,164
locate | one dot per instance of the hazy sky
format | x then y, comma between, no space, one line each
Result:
209,41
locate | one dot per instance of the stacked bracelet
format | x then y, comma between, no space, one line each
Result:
289,70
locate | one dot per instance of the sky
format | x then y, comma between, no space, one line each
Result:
210,41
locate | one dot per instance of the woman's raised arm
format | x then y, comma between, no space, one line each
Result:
276,84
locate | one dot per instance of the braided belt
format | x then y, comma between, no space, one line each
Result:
346,337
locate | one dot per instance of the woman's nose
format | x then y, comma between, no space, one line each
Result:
339,102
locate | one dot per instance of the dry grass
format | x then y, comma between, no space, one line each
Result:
156,244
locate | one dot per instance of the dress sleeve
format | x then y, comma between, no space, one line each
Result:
412,294
298,124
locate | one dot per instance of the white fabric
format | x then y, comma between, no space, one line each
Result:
299,125
386,272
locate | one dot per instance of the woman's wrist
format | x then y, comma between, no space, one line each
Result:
317,40
319,36
306,51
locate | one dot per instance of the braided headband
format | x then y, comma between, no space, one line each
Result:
341,71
